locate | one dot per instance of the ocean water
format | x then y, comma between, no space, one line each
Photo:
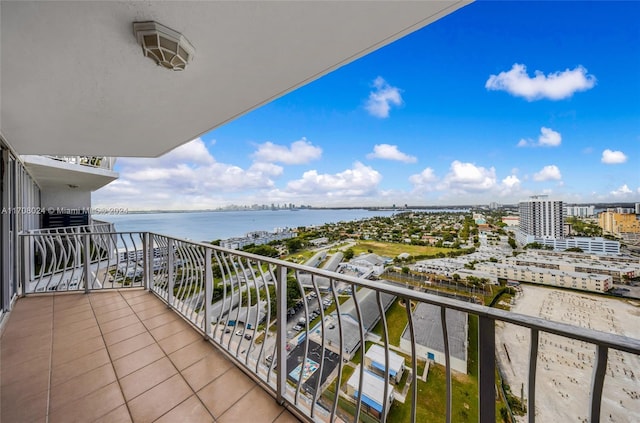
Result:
213,225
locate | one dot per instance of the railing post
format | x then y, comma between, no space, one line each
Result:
147,250
281,335
86,239
487,371
597,382
208,293
170,272
28,256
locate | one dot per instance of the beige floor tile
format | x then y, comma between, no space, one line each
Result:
123,333
119,415
137,360
131,293
27,409
90,407
18,331
75,348
160,319
17,356
140,299
146,378
72,338
14,372
20,350
152,312
80,386
115,314
101,309
169,329
15,393
179,340
223,392
255,406
189,411
84,364
116,324
72,328
130,345
286,417
159,400
201,373
65,318
189,354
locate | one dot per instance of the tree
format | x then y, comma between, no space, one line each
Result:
294,244
456,277
512,243
348,255
405,270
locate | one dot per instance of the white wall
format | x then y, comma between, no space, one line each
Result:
66,198
439,357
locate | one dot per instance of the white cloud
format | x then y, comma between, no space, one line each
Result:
382,98
425,180
547,138
390,152
358,181
613,157
623,191
468,177
300,152
554,86
548,173
511,181
187,177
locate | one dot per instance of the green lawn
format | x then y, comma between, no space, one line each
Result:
390,249
396,322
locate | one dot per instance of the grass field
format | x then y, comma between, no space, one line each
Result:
396,322
389,249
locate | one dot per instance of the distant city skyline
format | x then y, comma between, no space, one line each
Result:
493,103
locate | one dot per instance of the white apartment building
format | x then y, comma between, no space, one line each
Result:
580,211
585,264
539,275
541,217
596,245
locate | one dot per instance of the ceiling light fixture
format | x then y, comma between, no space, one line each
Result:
168,48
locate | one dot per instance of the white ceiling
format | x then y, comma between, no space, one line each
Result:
73,80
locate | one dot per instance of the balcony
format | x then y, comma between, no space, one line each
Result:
211,327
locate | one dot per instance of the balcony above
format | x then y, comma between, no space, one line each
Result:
75,79
81,173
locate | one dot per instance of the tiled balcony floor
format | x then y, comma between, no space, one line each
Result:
119,356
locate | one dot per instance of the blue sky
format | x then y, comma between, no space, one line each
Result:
493,103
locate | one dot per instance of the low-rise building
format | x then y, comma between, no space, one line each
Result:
375,360
552,277
372,393
596,245
257,238
576,262
430,340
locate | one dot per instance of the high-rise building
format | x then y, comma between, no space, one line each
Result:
542,217
579,211
618,223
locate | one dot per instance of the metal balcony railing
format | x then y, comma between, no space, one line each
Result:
102,162
247,305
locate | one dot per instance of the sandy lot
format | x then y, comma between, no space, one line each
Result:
564,365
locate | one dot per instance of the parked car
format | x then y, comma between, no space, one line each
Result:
239,333
247,337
